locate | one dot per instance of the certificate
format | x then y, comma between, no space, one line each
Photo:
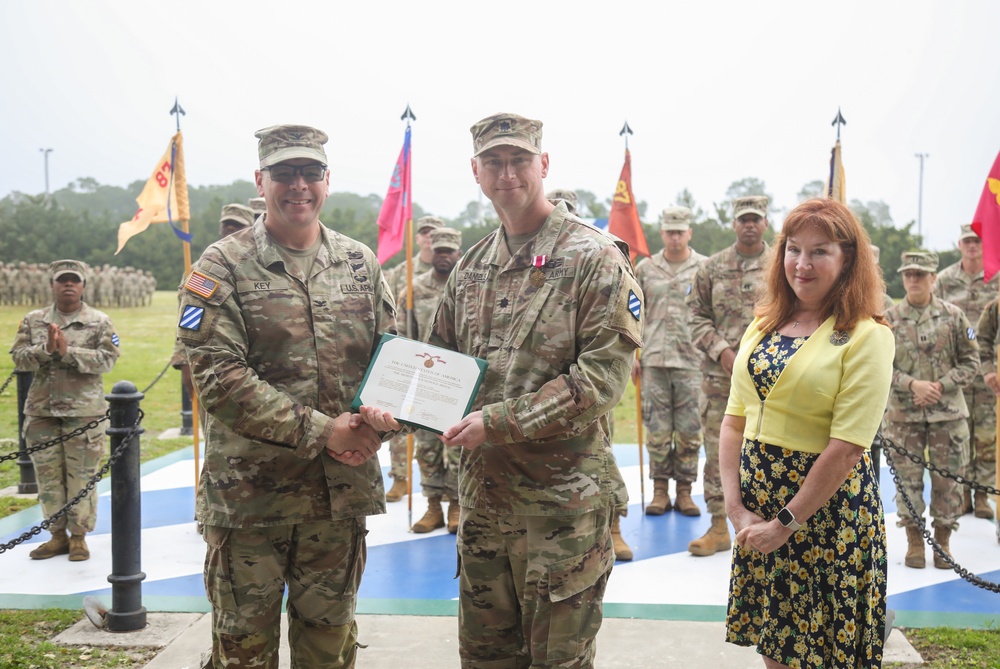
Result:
419,384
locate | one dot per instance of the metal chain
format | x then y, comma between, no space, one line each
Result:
916,459
58,440
922,526
7,382
91,484
158,377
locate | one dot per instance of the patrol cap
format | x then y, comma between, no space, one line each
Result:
257,206
506,130
968,233
238,214
446,238
279,143
429,223
751,204
924,261
675,218
566,195
63,267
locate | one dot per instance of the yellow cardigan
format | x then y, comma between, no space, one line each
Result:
825,391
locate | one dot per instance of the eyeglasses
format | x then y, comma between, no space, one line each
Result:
286,174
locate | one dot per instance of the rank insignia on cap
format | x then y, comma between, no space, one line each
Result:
971,332
200,284
191,317
114,339
634,304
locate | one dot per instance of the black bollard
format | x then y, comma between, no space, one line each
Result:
127,612
187,428
28,484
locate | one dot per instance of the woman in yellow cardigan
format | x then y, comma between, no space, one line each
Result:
810,383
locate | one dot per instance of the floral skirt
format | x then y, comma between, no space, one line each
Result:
819,600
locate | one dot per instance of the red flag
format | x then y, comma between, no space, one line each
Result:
624,219
397,208
986,222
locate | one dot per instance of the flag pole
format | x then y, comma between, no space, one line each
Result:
407,116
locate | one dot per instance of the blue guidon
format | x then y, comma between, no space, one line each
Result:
191,317
634,304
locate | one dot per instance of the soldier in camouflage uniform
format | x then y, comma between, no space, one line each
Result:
438,463
552,305
396,278
69,346
257,206
721,307
962,285
557,195
988,336
936,357
670,366
279,324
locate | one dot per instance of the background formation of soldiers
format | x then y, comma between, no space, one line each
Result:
27,284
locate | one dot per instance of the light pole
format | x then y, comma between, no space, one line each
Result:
46,153
920,195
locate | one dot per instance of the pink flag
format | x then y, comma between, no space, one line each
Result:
397,208
986,221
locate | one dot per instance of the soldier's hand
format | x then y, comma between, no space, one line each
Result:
50,342
925,393
379,420
469,433
60,338
636,372
992,382
352,437
726,359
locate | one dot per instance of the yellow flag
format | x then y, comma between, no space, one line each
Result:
164,198
836,187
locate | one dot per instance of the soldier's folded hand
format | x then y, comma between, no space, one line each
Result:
379,420
352,438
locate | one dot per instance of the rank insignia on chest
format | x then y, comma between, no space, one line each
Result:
114,339
634,304
200,284
191,317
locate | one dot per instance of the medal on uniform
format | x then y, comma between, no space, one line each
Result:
537,276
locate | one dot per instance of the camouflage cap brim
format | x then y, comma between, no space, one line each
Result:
291,153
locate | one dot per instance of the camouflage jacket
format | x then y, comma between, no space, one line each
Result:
69,385
666,336
428,289
275,357
396,280
969,293
559,342
721,303
986,335
933,344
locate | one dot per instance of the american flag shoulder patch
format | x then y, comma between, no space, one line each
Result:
201,284
191,317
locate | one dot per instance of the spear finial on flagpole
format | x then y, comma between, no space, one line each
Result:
408,115
838,121
178,111
626,131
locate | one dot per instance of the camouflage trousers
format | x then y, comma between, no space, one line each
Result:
947,446
531,588
673,426
715,396
246,573
982,405
63,470
397,457
438,465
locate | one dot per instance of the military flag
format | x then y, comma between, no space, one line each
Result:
986,221
836,188
397,208
624,220
164,199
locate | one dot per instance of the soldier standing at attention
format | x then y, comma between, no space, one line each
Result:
721,307
69,346
670,366
962,285
279,324
936,357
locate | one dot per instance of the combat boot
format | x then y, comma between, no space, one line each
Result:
57,545
982,505
966,500
397,491
453,510
684,503
715,540
78,551
942,535
661,498
914,548
622,550
433,519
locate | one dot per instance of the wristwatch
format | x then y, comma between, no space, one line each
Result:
787,518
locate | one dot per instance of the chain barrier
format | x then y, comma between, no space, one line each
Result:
158,377
7,382
916,459
922,526
58,440
91,484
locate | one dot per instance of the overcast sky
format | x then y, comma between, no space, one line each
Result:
715,91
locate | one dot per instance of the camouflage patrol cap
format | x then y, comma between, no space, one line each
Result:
257,206
751,204
429,223
566,195
924,261
675,218
446,238
237,213
968,233
506,130
62,267
279,143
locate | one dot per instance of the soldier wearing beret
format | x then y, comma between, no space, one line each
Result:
936,357
962,285
279,324
670,366
721,306
69,346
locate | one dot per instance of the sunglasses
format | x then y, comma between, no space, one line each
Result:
286,174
